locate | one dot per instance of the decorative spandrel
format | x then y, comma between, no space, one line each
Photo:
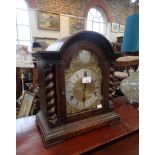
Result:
83,81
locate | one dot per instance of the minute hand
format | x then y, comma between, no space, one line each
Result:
84,89
84,92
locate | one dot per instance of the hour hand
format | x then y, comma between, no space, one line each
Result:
84,90
84,87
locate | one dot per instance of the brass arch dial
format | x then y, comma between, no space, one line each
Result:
83,82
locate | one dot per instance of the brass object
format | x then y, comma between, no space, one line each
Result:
83,96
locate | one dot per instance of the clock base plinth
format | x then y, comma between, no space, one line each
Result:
51,136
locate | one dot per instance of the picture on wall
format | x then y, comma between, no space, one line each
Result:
121,28
114,27
76,25
48,21
45,42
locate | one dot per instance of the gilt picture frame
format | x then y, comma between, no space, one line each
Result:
76,25
48,21
121,28
26,104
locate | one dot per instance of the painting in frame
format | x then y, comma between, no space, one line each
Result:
121,28
48,21
76,25
46,40
114,27
26,104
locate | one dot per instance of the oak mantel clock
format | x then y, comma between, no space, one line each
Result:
74,86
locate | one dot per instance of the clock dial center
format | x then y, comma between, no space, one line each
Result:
83,88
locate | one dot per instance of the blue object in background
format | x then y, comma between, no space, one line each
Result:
131,34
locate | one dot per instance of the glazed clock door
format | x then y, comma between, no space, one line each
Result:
83,83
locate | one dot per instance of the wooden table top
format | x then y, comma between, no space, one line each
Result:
127,61
127,58
28,139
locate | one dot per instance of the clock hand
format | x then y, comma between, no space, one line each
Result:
84,95
84,88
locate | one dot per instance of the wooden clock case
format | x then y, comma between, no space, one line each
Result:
52,120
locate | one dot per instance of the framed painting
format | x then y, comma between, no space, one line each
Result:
45,42
121,28
48,41
48,21
76,25
26,104
114,27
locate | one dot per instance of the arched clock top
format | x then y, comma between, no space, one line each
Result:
63,46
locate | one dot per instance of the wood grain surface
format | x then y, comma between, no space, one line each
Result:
110,140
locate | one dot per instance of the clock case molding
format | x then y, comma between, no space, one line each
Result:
52,120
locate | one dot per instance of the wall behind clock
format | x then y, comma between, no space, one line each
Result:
119,10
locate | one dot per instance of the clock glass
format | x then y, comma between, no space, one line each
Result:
83,80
